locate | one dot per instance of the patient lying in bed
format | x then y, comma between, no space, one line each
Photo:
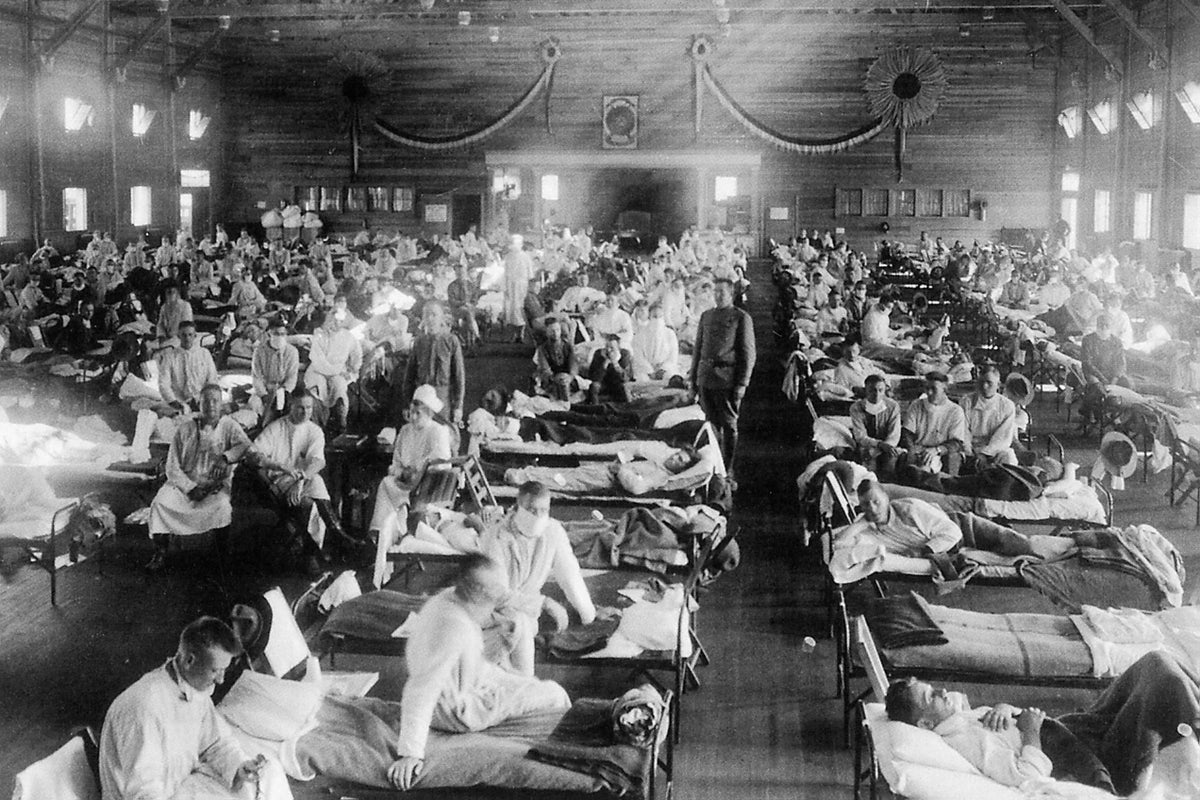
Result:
1111,745
683,469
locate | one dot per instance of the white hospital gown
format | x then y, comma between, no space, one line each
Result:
453,688
198,454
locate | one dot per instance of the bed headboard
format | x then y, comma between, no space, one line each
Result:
864,643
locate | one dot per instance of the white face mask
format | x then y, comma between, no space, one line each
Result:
278,342
873,408
529,523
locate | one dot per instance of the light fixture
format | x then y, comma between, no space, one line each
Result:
426,4
164,6
464,18
4,101
1076,79
723,15
1188,96
273,35
493,34
989,13
1071,121
224,22
1111,73
726,31
964,31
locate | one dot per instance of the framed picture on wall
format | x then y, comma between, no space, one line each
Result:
437,212
619,122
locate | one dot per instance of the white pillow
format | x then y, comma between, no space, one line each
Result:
270,708
285,648
920,782
919,746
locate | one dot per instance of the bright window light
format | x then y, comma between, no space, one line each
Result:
1191,220
1070,213
1071,120
194,178
76,114
143,118
550,187
1102,211
197,124
4,101
1070,181
1143,215
139,206
726,187
75,216
1189,97
1143,107
1104,116
3,213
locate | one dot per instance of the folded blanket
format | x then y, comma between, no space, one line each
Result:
581,640
903,621
1122,625
373,616
641,537
607,739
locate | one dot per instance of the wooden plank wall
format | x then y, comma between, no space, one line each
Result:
85,158
800,75
1164,159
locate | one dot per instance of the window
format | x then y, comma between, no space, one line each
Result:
1144,109
726,187
197,124
906,202
356,198
194,178
1070,213
402,198
139,206
1191,220
929,202
848,203
1189,97
377,198
3,213
550,187
143,118
309,197
1102,211
1070,181
75,216
1143,215
76,114
1071,121
331,198
956,202
1104,116
4,101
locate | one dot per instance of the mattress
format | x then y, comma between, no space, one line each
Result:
1083,506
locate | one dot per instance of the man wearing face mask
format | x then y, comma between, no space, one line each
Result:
419,444
875,425
532,546
162,736
655,348
274,372
184,370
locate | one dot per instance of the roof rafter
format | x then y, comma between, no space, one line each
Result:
141,40
180,73
1089,35
1123,13
66,30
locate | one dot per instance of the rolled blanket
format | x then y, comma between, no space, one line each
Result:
636,716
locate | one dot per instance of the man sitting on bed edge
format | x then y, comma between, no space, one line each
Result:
1111,745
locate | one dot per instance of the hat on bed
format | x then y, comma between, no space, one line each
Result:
1019,389
1119,455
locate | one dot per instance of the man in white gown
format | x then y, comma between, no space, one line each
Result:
451,686
196,497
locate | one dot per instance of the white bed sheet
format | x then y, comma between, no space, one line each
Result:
1084,505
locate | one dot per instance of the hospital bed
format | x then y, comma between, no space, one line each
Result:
272,710
548,453
368,625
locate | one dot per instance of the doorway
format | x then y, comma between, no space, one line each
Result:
186,212
468,211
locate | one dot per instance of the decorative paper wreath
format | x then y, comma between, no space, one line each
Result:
550,50
904,87
359,70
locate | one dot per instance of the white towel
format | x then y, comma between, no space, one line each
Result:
344,587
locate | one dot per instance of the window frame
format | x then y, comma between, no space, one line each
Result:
83,224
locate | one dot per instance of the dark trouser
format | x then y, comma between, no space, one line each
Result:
609,386
721,410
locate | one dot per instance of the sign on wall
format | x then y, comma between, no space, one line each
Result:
437,212
619,119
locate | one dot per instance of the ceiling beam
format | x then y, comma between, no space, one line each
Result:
67,29
1089,36
1123,13
1193,7
180,73
141,40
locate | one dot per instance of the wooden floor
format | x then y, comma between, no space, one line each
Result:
764,725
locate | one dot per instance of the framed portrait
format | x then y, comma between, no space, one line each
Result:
619,122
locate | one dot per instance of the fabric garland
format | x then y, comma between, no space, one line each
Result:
790,144
550,54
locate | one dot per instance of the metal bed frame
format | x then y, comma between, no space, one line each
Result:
44,554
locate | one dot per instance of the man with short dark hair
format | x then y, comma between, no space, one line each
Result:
437,360
1110,745
162,738
934,431
184,370
991,420
611,369
173,311
875,426
556,367
722,363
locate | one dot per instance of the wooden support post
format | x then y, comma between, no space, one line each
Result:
168,59
35,107
114,195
